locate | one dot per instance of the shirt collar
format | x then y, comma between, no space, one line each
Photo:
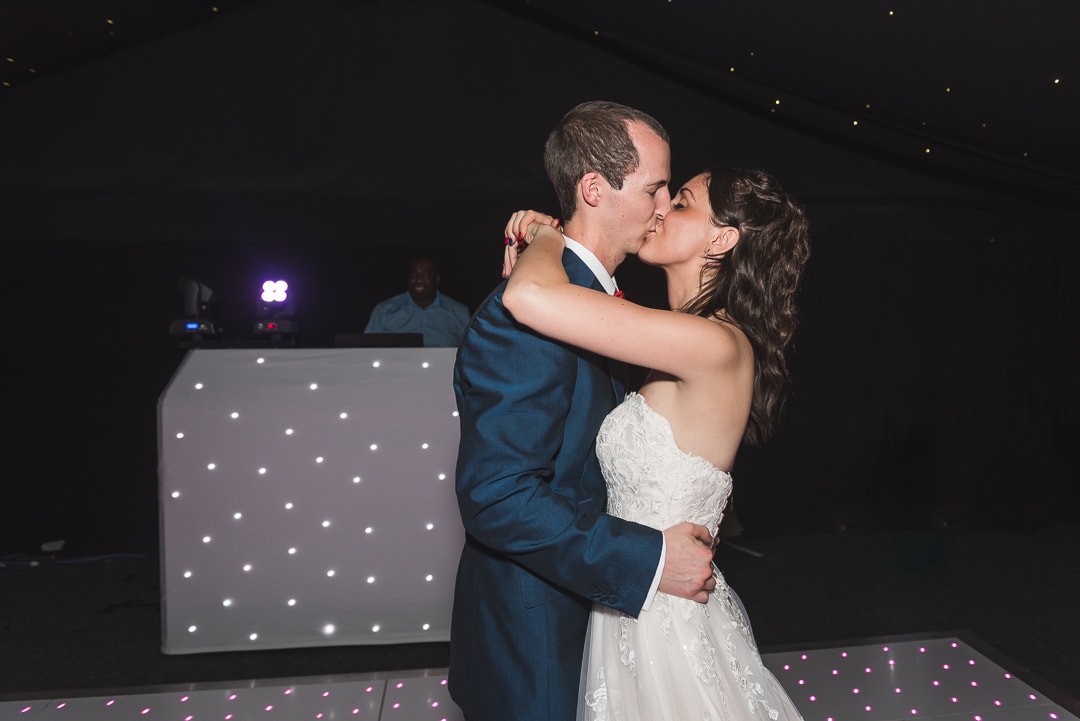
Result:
594,264
436,302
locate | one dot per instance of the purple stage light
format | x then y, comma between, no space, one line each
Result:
275,291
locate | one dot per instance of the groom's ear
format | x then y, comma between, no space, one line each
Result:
589,188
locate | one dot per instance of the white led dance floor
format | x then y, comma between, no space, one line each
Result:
939,678
935,678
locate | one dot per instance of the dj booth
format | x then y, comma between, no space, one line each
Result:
307,498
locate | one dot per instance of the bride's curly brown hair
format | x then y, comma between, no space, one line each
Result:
755,282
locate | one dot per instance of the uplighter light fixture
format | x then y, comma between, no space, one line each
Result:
275,311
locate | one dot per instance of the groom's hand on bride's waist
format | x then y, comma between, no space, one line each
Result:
688,562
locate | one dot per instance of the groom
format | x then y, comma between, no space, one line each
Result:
539,548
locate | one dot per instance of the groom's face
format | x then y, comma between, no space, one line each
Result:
644,193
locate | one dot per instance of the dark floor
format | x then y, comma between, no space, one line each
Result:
95,624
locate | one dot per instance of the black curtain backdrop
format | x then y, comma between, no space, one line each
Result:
329,142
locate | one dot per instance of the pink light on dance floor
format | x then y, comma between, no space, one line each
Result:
939,678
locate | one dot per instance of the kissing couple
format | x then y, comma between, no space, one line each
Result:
586,587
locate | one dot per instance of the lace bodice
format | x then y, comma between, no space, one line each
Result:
677,659
651,480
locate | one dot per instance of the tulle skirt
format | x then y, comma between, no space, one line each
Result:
678,660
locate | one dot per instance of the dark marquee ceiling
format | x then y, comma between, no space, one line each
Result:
989,84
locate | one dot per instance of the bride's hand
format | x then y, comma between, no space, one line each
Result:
518,234
518,225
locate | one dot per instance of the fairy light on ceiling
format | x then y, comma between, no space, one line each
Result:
893,58
839,52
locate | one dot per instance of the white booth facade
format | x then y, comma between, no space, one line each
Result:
307,498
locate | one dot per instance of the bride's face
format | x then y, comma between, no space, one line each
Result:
686,229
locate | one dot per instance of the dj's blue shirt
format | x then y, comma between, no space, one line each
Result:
442,323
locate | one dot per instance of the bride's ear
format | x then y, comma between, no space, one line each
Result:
726,239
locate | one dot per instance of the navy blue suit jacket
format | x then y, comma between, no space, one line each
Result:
539,548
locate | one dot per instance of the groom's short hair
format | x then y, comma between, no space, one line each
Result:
593,137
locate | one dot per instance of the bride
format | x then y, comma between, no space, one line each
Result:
733,246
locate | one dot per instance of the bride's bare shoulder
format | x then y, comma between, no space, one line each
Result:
727,343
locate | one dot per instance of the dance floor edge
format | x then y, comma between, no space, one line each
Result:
919,677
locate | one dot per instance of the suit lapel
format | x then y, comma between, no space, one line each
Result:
580,274
619,378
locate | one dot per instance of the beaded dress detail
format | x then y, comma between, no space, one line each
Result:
679,659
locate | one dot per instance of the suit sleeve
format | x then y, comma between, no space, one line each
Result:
517,493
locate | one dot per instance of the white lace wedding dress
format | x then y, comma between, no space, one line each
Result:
679,659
